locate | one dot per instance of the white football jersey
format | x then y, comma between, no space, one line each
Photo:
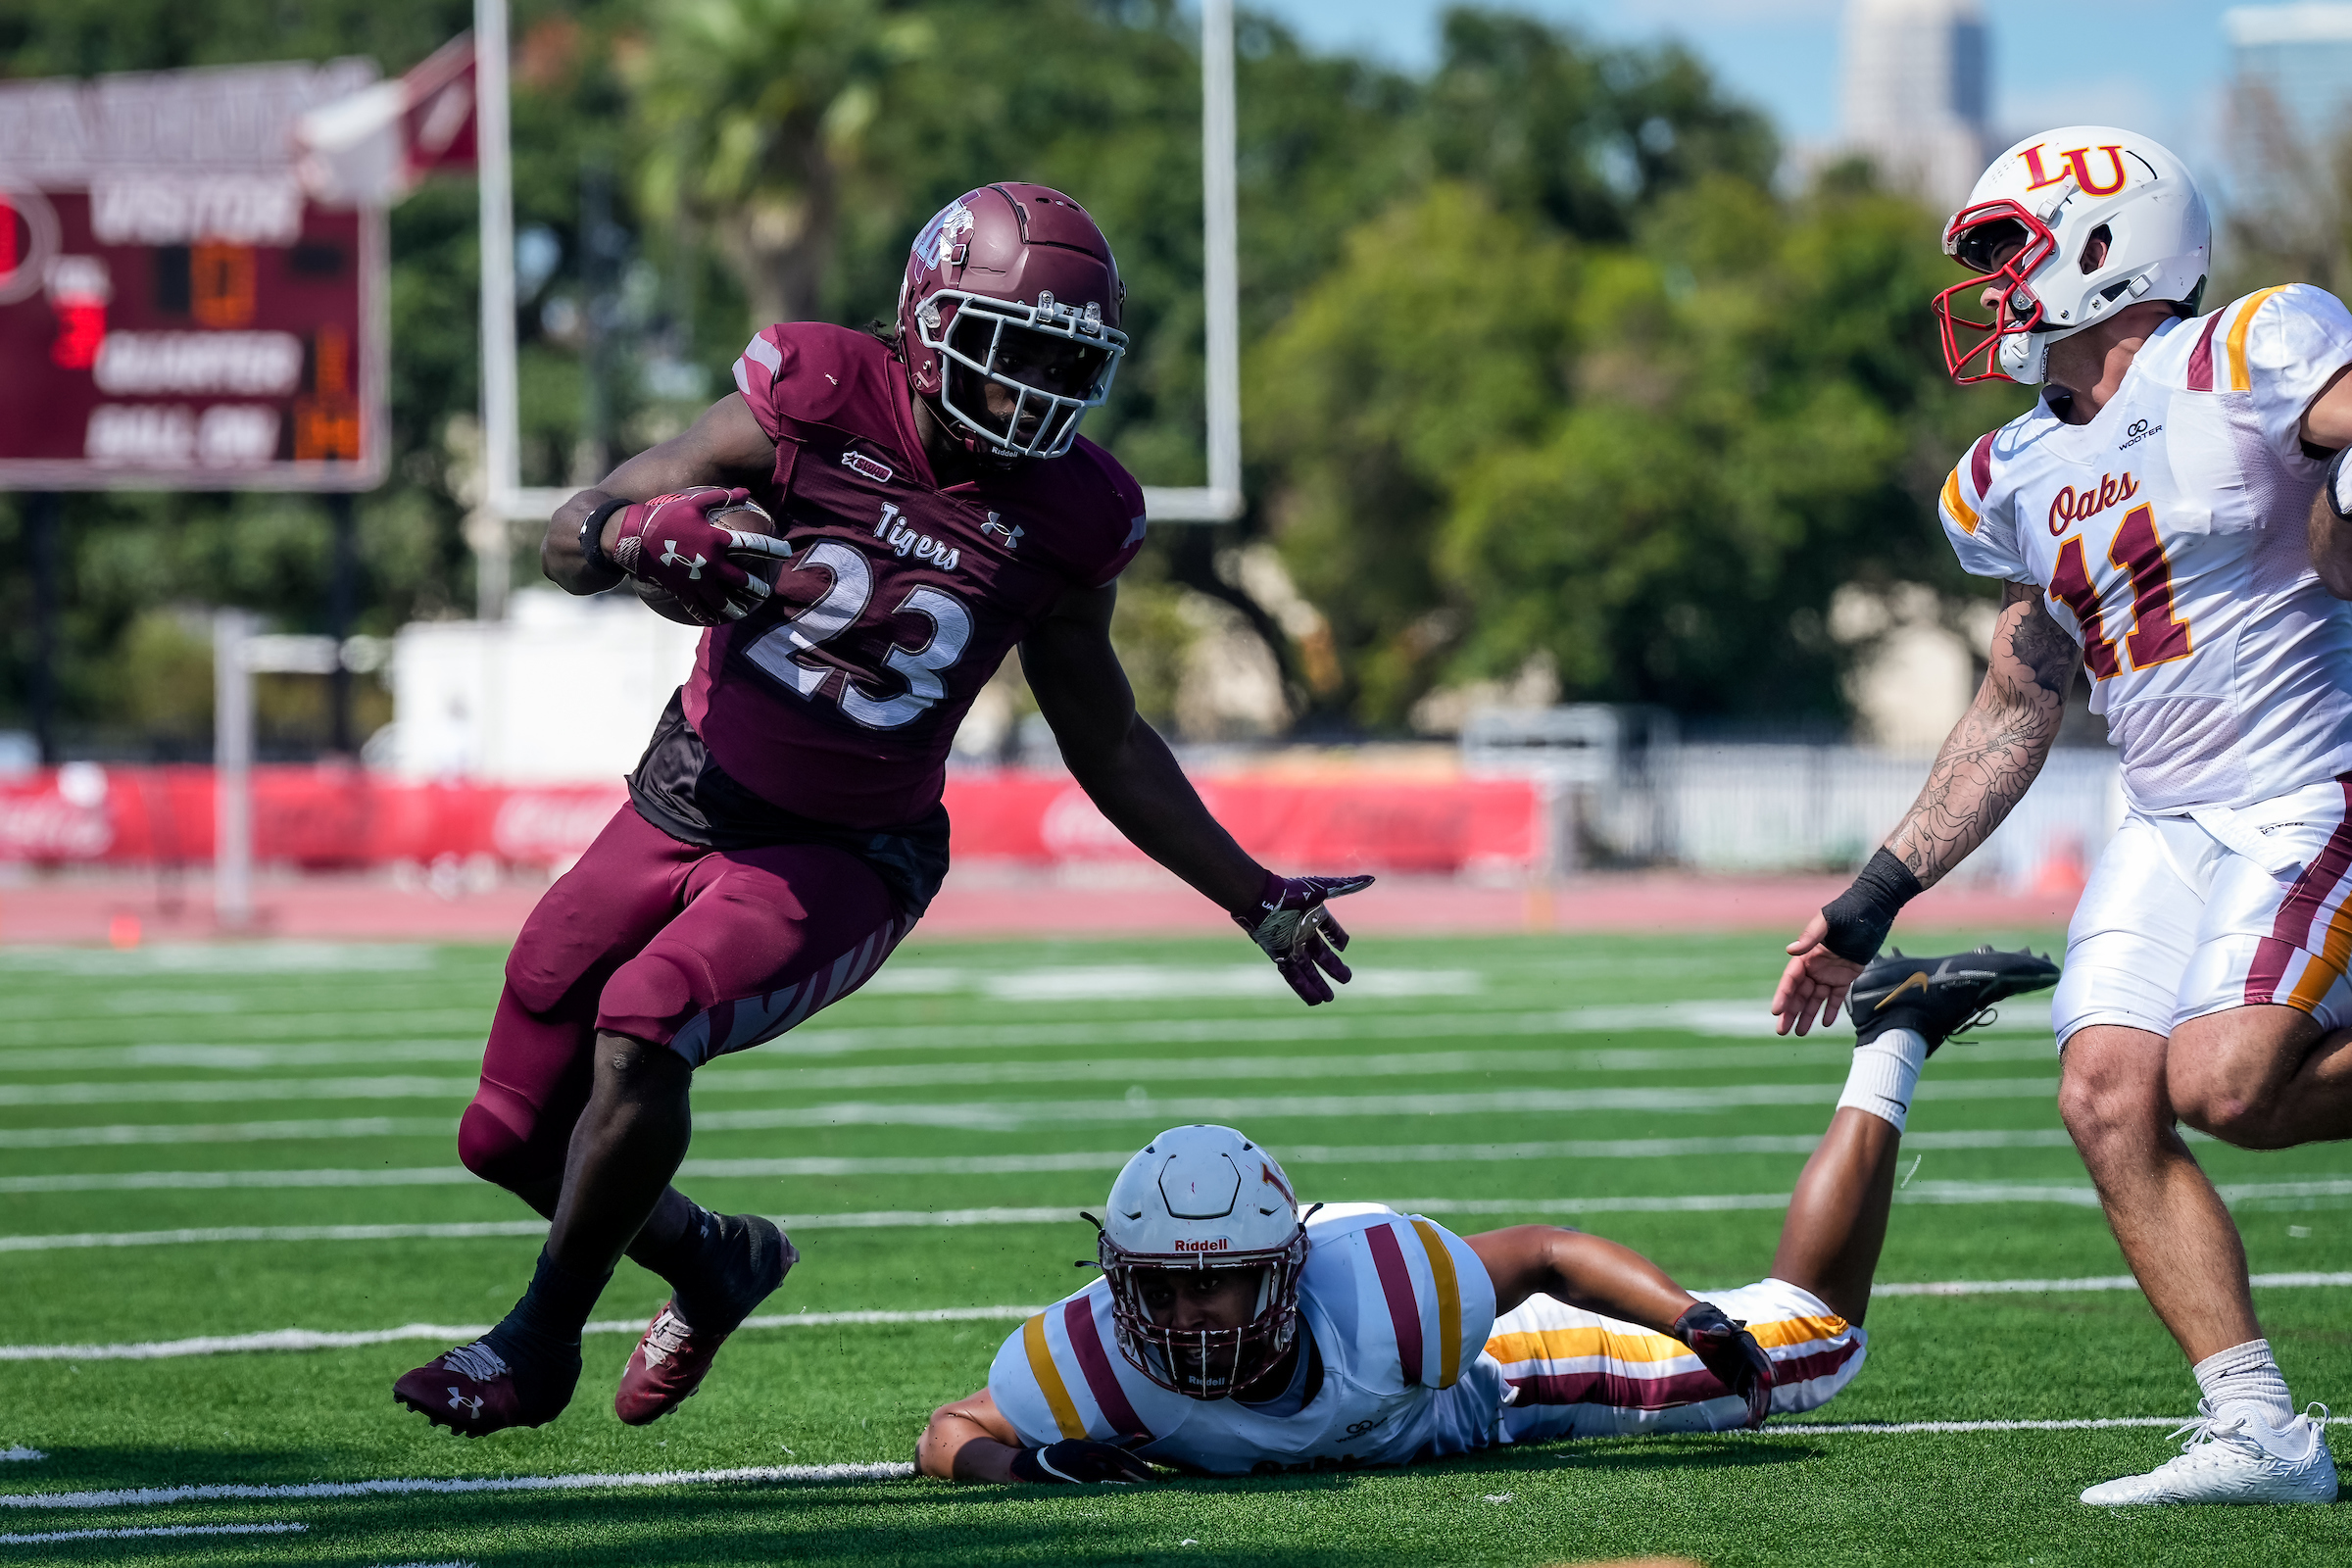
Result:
1397,1309
2169,535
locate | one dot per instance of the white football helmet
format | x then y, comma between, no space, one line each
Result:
2049,197
1204,1197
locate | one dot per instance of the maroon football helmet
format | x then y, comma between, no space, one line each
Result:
1012,284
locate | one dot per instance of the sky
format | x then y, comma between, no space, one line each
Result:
2154,65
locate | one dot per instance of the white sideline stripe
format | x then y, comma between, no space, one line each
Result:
284,1527
157,1496
2082,1196
1906,1427
1019,1164
458,1333
1011,1114
282,1340
21,1453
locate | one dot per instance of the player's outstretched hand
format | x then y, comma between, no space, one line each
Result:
1815,983
671,541
1288,920
1727,1349
1083,1461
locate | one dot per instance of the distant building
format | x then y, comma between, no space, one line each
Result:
2299,58
1917,94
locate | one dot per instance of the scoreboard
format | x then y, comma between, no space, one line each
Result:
176,311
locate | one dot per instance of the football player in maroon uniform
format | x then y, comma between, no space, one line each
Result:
933,507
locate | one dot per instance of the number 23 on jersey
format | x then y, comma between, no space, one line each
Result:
777,650
2157,636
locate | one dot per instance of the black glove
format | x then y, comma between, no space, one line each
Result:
1732,1353
1290,922
1081,1460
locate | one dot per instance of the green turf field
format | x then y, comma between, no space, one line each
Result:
203,1145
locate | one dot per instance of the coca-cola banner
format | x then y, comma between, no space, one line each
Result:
334,816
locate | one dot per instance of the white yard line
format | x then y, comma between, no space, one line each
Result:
21,1455
1294,1155
158,1496
281,1529
304,1339
1725,1020
458,1333
2289,1193
235,1132
1008,1114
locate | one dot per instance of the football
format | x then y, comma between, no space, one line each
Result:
744,517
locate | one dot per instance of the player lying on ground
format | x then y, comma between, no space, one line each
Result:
933,509
2168,514
1227,1338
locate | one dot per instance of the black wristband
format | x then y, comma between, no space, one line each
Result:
1861,916
2337,485
592,535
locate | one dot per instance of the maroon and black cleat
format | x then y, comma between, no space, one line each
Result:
673,1356
473,1392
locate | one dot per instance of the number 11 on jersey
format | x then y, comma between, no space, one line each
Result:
2157,636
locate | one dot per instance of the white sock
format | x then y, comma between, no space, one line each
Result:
1883,1074
2247,1376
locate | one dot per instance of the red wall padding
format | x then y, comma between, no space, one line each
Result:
340,816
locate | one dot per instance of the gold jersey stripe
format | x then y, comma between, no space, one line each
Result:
1048,1378
1956,503
1592,1340
2242,377
1450,1303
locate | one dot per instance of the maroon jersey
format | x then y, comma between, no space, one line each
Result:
839,699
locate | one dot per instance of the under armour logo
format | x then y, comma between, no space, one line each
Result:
1012,535
459,1402
671,558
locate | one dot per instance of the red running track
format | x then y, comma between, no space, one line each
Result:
985,901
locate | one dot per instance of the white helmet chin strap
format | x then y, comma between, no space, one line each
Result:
2026,356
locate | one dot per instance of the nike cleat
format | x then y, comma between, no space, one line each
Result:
2223,1461
673,1356
473,1392
1941,996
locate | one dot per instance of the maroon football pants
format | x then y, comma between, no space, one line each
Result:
703,951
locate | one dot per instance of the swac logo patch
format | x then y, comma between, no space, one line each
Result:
859,464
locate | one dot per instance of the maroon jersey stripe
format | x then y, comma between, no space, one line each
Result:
2200,360
1396,1284
1979,463
1619,1392
1078,1319
2300,908
1819,1364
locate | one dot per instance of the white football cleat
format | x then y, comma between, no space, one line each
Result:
2221,1461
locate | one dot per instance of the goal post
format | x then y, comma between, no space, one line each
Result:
506,498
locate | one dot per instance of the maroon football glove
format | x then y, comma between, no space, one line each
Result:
1732,1353
670,541
1080,1460
1299,934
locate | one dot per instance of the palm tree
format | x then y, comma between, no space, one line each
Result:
760,113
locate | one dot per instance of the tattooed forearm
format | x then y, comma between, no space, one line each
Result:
1997,748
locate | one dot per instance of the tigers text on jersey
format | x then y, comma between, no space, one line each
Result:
840,696
2169,535
1399,1308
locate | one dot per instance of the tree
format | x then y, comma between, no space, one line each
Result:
760,113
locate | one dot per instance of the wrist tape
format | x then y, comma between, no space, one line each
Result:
2338,484
1861,916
